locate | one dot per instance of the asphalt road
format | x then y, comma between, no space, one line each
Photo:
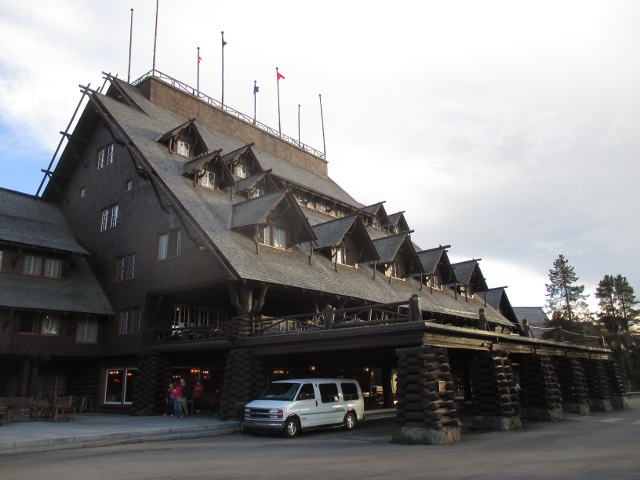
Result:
601,446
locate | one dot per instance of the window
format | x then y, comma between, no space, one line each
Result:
169,245
128,185
256,193
42,266
83,192
208,180
329,392
187,315
274,236
184,148
119,386
1,259
105,156
87,331
349,391
39,324
394,270
109,218
125,268
130,321
242,171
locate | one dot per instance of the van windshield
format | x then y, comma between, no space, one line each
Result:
280,391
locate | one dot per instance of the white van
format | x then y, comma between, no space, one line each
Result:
290,406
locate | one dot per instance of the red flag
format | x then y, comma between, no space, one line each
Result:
199,58
279,76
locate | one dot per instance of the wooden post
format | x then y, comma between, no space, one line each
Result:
482,320
328,313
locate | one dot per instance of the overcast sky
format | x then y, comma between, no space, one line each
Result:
506,129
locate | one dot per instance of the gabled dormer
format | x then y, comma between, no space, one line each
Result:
397,256
376,215
242,162
185,140
209,171
397,223
258,185
345,241
275,220
437,267
469,278
497,299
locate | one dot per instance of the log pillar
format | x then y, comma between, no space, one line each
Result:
244,380
426,399
573,385
617,385
387,387
150,384
540,393
494,397
597,384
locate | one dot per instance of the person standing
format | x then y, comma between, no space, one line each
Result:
198,390
184,397
176,395
168,399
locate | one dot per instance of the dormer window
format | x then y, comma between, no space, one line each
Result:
208,179
242,171
183,148
256,193
395,270
274,236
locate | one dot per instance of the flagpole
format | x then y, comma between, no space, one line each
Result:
298,122
255,97
198,75
130,42
324,143
223,44
278,85
155,37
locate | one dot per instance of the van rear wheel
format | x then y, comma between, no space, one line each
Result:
350,420
291,427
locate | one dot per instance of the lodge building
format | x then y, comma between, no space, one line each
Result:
177,237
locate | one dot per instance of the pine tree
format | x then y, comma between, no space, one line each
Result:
617,299
566,301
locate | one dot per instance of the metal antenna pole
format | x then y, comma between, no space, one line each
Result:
324,143
155,37
130,43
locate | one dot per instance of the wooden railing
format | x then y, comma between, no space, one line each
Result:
192,334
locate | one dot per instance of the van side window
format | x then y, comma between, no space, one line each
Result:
329,392
349,391
306,392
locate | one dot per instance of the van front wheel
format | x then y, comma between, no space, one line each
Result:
350,421
291,427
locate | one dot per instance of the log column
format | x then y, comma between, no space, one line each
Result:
150,384
426,407
573,385
494,396
244,380
599,395
540,392
617,385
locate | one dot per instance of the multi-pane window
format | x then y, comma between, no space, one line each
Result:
109,218
130,321
169,244
274,236
87,330
42,266
125,268
119,384
187,315
43,324
395,270
208,180
242,171
106,156
183,148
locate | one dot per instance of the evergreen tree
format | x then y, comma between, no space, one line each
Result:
617,301
566,301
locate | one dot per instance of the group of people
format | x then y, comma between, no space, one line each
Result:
177,395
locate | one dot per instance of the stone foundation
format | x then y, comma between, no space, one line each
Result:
581,408
600,405
432,436
619,402
496,423
543,414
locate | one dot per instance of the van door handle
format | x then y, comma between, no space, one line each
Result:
316,403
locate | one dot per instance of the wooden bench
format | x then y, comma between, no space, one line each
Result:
17,405
5,415
64,407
